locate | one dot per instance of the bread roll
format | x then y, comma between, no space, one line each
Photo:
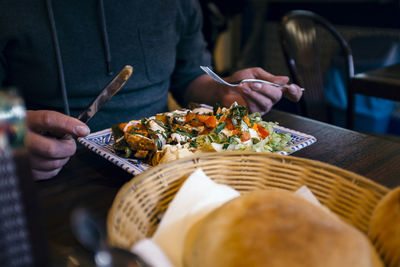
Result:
276,228
384,228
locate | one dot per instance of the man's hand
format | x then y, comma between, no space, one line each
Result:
259,97
49,141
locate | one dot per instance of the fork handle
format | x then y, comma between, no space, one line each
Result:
267,82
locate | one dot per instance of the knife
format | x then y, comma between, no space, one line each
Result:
108,92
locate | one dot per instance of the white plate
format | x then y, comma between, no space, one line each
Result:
101,143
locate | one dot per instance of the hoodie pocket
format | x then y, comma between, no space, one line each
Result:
159,49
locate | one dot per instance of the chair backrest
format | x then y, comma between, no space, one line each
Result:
303,36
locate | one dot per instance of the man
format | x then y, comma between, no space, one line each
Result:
60,54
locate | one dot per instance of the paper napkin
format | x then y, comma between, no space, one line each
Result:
198,196
151,253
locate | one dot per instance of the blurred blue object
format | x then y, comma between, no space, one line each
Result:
371,114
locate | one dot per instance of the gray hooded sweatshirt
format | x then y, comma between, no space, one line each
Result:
61,53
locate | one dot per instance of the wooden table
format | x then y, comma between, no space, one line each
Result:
383,82
92,181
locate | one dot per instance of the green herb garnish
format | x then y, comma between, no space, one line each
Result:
220,127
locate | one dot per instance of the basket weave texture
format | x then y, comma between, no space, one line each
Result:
140,203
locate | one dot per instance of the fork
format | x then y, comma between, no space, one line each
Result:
220,80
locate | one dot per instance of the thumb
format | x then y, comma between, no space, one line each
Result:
55,123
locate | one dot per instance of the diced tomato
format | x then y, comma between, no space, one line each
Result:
202,118
229,124
245,136
251,125
262,131
135,130
121,126
191,118
211,122
236,132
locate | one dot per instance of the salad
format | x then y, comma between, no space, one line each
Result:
186,131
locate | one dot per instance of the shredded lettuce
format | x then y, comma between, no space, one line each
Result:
276,141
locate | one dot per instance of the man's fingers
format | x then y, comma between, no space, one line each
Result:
260,73
259,92
49,141
260,97
44,175
260,101
282,80
55,123
50,146
272,92
47,164
293,92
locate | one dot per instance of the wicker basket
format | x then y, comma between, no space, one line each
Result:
140,203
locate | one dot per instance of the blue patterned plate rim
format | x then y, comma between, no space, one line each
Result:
101,143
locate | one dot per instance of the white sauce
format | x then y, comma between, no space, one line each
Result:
254,134
179,138
202,110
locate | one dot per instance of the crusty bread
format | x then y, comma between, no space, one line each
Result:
384,227
276,228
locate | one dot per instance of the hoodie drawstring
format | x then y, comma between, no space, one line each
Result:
60,66
105,38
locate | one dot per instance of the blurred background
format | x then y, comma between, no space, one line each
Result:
245,34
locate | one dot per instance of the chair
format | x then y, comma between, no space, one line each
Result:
383,82
308,42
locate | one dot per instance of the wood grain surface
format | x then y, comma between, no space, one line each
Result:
91,181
